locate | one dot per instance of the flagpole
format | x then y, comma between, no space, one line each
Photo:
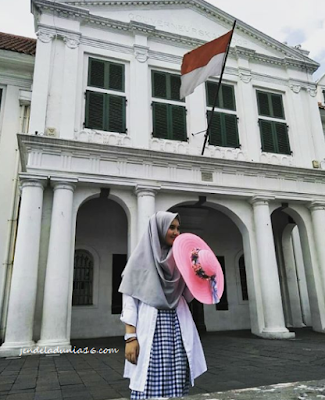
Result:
206,136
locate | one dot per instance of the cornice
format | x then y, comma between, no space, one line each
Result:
19,58
103,44
21,82
64,10
291,57
57,145
52,31
128,168
206,8
162,36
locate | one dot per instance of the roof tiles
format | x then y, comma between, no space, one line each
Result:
18,44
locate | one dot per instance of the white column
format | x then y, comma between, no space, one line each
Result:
291,277
315,124
54,331
269,278
317,210
300,143
19,331
248,126
70,76
140,110
146,207
41,82
301,275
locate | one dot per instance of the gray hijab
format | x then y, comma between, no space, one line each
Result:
151,274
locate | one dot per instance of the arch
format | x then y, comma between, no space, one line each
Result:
301,216
94,233
83,195
241,214
227,207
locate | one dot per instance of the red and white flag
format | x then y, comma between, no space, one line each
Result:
207,60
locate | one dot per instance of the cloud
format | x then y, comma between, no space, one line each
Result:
16,18
292,21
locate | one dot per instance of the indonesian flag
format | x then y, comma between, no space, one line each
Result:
207,60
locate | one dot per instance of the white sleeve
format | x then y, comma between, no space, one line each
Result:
130,310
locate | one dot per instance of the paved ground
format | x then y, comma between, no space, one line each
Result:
236,360
312,390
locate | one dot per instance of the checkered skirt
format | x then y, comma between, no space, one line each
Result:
168,371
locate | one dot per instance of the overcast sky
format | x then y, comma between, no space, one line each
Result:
292,21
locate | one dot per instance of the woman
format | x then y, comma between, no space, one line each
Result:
163,350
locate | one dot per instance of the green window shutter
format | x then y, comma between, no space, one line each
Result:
160,120
116,113
211,90
175,84
263,104
228,97
95,110
116,77
96,73
159,85
277,106
282,138
267,137
215,136
231,130
224,130
178,122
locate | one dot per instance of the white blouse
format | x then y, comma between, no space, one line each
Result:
143,317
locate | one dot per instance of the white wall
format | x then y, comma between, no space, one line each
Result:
15,82
10,113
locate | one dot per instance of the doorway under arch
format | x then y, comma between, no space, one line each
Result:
223,236
101,234
292,276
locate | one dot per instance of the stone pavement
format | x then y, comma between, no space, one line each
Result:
236,360
312,390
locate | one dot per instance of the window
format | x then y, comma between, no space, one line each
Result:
273,129
83,279
224,126
324,96
168,110
243,279
105,96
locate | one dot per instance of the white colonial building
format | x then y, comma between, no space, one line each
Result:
17,55
110,143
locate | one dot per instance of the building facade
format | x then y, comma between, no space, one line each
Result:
17,56
110,142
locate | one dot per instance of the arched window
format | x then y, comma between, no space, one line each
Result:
243,279
83,278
